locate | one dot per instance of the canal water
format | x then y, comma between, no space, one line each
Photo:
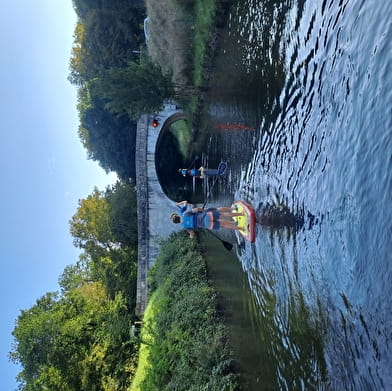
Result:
300,106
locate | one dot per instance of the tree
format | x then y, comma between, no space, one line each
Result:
76,64
55,337
77,342
105,36
34,330
136,89
123,212
84,7
106,219
109,139
74,276
105,227
91,224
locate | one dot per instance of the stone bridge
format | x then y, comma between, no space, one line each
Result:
154,207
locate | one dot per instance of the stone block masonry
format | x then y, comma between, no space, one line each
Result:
153,206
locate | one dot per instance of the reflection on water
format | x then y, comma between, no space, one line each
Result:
280,217
309,83
270,353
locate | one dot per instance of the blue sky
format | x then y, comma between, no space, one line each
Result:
44,168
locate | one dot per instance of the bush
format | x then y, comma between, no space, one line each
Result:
189,349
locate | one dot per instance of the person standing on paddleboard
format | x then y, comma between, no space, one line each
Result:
211,218
190,172
203,172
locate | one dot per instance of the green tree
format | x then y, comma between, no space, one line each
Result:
77,342
91,224
108,138
118,272
105,227
33,332
136,89
53,336
84,7
105,36
106,219
76,275
76,63
123,212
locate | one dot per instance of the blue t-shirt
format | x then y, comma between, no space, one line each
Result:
194,220
188,218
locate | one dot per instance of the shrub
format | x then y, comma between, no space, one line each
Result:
190,349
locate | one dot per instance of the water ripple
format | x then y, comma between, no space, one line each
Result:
318,173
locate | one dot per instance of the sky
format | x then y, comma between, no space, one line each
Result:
44,167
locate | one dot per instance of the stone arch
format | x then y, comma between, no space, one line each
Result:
154,207
159,152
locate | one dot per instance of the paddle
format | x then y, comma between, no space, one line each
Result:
228,246
221,168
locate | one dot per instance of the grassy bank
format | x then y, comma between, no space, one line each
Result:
181,131
147,340
186,342
205,11
181,36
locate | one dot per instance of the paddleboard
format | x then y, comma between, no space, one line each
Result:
246,223
222,168
210,172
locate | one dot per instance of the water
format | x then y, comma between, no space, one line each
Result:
300,107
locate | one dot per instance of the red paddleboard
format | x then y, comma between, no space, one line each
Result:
246,223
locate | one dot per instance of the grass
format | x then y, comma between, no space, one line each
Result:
146,340
181,34
170,40
179,37
180,130
204,16
186,345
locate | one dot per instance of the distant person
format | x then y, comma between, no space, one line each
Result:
194,172
196,218
203,172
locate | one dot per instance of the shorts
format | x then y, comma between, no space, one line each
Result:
210,220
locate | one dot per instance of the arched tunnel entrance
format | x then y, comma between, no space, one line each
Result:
172,153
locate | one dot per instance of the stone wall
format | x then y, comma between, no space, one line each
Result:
154,208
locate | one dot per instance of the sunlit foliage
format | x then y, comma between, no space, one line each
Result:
106,36
79,339
188,347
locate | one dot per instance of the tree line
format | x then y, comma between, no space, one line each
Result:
79,337
116,81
